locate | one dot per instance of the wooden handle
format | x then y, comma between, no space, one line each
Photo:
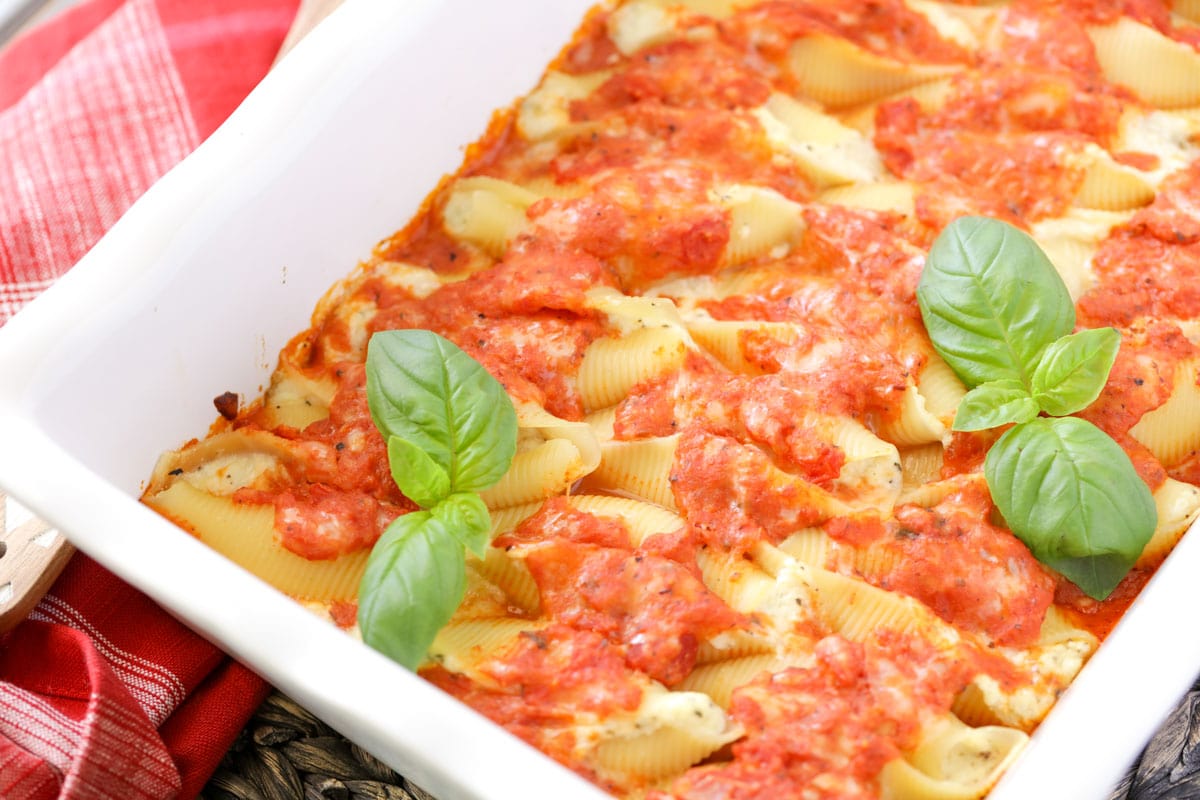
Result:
32,554
308,15
16,14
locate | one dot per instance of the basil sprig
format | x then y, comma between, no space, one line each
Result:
999,314
451,432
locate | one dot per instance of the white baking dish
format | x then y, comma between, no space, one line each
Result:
196,289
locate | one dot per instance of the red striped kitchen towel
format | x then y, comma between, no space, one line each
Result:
103,694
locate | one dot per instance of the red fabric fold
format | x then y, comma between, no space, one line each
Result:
112,112
202,729
222,48
102,693
62,701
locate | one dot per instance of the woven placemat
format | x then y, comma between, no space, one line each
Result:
1169,767
285,753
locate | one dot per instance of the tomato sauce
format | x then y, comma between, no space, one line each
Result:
1048,36
561,666
856,530
648,601
430,247
1022,178
831,727
966,451
544,725
648,411
975,575
887,28
653,608
1141,275
525,319
1002,141
718,139
733,498
1141,380
660,220
547,680
340,494
557,519
319,523
767,411
667,75
1188,468
1099,617
360,451
344,613
1154,14
591,48
1151,266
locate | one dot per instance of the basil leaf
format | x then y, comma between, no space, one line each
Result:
417,475
991,300
1096,575
451,432
992,404
466,517
1072,371
1072,495
425,390
414,580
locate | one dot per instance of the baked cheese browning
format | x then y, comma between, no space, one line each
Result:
740,550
